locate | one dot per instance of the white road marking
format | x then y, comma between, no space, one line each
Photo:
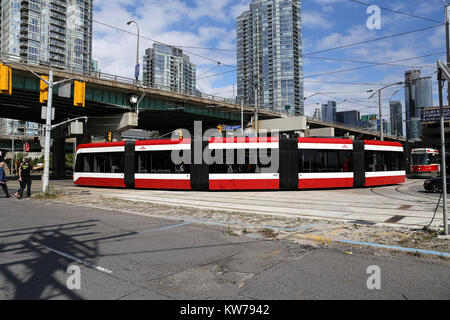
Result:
68,256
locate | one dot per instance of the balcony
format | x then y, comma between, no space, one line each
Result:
24,6
55,15
58,30
58,9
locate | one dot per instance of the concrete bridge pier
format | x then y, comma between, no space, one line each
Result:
116,123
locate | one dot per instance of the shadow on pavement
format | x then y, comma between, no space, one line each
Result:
34,276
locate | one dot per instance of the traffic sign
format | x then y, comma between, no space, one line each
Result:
44,113
232,127
369,117
136,71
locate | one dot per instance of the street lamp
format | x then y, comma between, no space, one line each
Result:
136,72
396,116
380,106
255,90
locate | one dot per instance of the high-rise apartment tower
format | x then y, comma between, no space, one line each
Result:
269,56
48,32
167,68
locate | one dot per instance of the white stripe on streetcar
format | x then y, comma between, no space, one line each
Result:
78,175
100,150
327,175
378,174
244,176
371,147
162,176
262,145
325,146
163,147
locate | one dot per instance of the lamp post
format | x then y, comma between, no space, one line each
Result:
255,91
380,109
396,116
137,69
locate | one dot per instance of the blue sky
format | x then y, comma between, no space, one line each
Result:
326,24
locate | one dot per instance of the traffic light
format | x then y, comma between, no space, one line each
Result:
79,94
108,136
5,79
43,95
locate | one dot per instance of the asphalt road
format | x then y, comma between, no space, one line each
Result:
124,256
406,205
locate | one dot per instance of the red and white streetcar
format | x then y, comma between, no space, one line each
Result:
425,162
301,163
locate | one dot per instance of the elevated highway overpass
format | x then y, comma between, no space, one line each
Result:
108,97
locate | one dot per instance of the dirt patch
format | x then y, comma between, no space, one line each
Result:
272,227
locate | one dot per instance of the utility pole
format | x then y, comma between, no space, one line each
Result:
242,116
411,107
13,145
256,110
447,32
444,165
380,105
381,116
48,128
443,74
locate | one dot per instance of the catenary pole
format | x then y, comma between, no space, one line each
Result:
447,32
48,128
13,127
381,116
408,133
444,165
256,110
242,116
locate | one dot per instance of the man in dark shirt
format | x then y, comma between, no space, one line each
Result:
3,179
24,179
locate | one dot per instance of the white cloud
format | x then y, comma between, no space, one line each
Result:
170,21
313,19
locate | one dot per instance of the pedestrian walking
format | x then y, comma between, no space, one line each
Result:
24,179
3,179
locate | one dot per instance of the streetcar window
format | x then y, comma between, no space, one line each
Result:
100,163
434,159
85,163
245,161
318,161
117,163
384,161
79,164
159,162
420,159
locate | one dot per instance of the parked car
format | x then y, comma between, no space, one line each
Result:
435,185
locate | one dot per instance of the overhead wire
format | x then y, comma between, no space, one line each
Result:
397,11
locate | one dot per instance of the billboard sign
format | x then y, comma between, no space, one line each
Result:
434,115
